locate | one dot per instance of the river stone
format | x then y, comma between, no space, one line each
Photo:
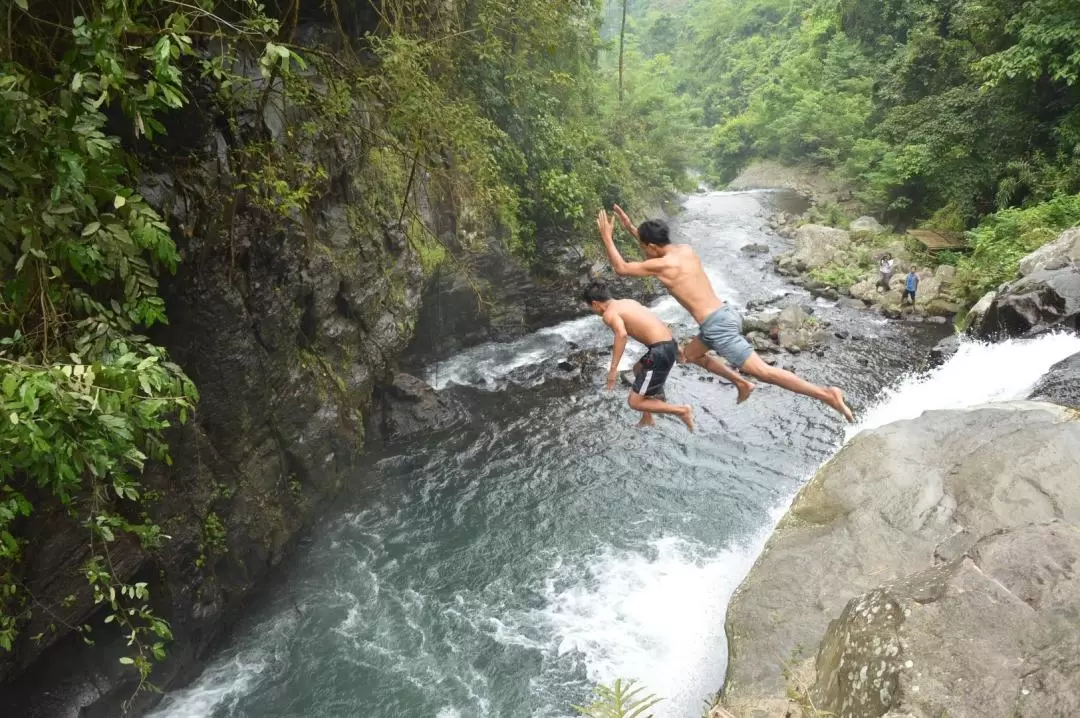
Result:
1061,384
759,322
1048,297
410,407
755,249
817,245
877,512
1064,249
988,634
975,315
944,349
869,225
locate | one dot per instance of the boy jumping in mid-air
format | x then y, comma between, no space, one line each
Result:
628,318
679,269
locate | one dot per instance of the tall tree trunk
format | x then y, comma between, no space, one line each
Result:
622,39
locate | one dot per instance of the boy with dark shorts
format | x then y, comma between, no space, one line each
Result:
628,318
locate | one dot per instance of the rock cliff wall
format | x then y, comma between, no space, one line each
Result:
287,320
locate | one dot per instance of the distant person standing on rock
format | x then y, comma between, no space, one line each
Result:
885,269
628,318
911,285
679,269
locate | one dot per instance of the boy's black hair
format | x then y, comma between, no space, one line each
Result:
654,231
596,292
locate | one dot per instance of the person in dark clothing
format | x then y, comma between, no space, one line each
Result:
628,318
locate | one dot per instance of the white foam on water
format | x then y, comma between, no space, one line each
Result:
225,682
978,373
655,618
486,366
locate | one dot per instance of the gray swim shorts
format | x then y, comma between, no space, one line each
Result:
722,332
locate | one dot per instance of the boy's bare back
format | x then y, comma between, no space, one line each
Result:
684,276
640,323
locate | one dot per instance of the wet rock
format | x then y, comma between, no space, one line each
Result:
944,349
1046,298
867,225
1065,249
795,330
852,303
1061,384
842,335
755,249
409,407
758,304
850,574
762,344
759,322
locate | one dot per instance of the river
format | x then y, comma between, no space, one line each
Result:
503,568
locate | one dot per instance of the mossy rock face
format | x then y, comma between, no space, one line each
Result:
286,321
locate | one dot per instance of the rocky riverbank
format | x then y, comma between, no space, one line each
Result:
837,263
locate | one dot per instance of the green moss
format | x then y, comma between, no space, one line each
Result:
840,276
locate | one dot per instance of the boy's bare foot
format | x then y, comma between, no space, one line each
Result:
836,401
686,415
745,389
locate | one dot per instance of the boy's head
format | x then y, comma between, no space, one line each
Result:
597,296
653,235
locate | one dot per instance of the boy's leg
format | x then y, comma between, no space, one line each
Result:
695,352
754,366
646,419
648,405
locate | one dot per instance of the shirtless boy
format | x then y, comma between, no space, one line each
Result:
628,318
679,269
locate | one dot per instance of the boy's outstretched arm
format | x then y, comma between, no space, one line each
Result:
620,265
617,326
625,221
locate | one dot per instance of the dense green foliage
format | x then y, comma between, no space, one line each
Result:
935,111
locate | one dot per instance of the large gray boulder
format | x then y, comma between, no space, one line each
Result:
974,318
991,633
895,502
867,225
1064,249
1047,298
1061,384
817,245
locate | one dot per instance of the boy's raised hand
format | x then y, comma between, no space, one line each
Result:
625,220
605,225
